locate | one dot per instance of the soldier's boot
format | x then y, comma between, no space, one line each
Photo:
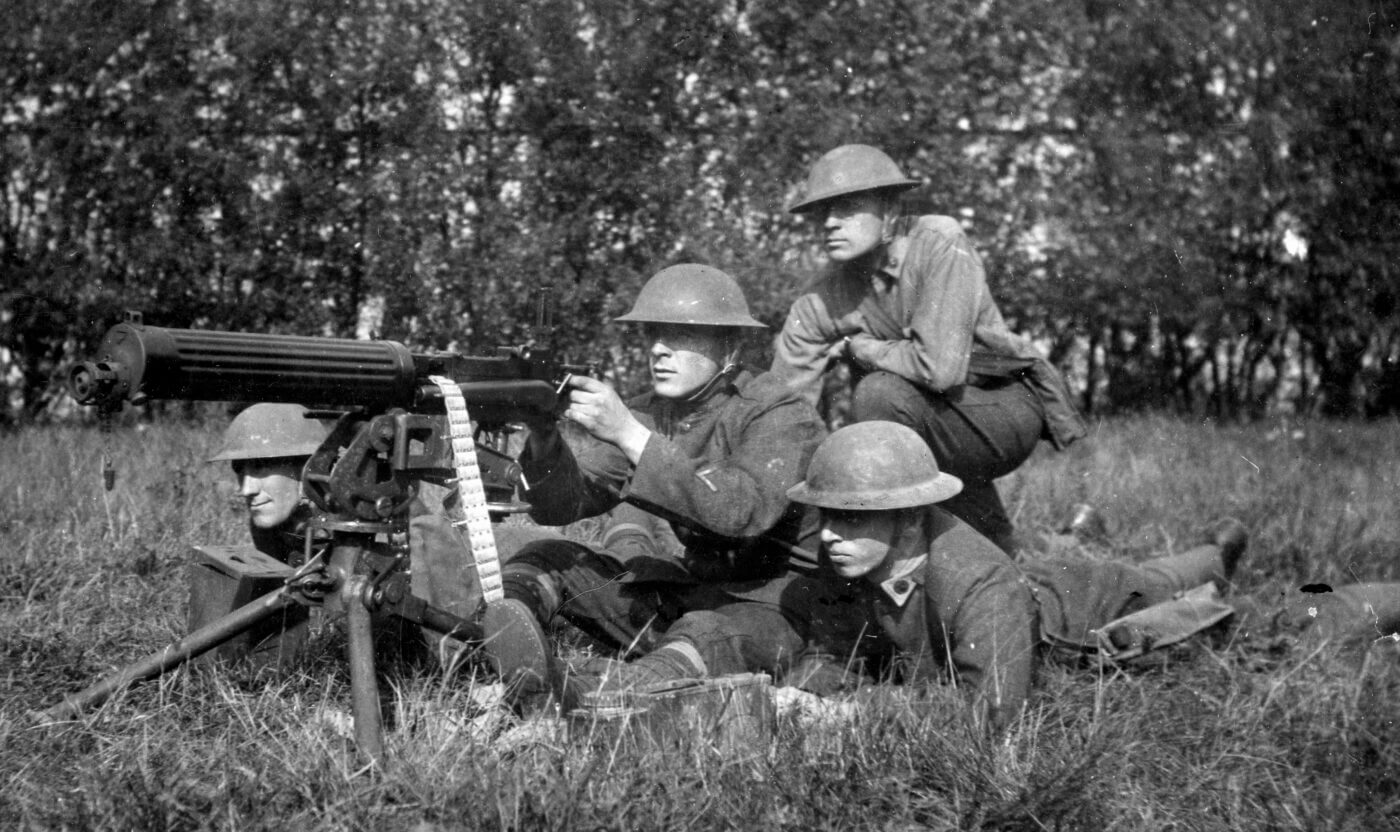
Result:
1214,561
1232,538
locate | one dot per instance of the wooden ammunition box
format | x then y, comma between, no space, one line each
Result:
224,578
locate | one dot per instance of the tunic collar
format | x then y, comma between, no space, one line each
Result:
907,577
907,574
671,413
896,249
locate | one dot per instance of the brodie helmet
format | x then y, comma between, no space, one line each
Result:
270,431
874,466
691,294
849,169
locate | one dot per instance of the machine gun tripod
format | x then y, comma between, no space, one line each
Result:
404,422
344,579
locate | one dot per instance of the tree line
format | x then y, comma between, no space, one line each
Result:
1190,205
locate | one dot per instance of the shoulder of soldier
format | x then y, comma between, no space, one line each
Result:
928,239
962,550
936,225
768,390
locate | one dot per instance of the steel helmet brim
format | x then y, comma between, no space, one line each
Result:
689,320
875,465
814,204
927,493
850,169
692,294
271,430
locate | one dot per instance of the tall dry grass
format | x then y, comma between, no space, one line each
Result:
1225,733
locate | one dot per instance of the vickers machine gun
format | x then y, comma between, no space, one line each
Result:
403,419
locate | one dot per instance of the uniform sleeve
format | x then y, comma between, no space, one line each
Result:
946,285
844,638
743,493
578,477
800,354
992,638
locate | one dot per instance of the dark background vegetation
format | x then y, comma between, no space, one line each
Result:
1191,204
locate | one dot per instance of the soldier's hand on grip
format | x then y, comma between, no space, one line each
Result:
598,409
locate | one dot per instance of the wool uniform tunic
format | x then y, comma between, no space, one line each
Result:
716,475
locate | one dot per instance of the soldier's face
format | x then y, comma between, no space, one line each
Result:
684,358
854,225
859,543
270,487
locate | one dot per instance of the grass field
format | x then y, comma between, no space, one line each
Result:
1226,733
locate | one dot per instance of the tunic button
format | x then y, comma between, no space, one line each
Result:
901,586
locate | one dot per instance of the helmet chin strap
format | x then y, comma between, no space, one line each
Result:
724,376
889,225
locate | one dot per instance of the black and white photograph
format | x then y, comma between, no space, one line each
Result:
630,415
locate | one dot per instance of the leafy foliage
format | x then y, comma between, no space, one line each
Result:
1189,204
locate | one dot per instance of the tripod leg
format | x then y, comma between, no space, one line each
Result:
204,639
364,687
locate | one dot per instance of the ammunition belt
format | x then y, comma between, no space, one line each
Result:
472,492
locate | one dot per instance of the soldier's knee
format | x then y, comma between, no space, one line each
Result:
510,539
701,627
881,396
545,556
719,646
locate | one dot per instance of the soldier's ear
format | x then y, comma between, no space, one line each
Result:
889,217
907,517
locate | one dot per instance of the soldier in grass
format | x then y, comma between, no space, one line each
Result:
691,477
268,445
951,604
1341,622
904,302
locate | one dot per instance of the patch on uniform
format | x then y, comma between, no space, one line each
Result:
703,476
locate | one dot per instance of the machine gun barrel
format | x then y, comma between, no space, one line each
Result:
135,361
